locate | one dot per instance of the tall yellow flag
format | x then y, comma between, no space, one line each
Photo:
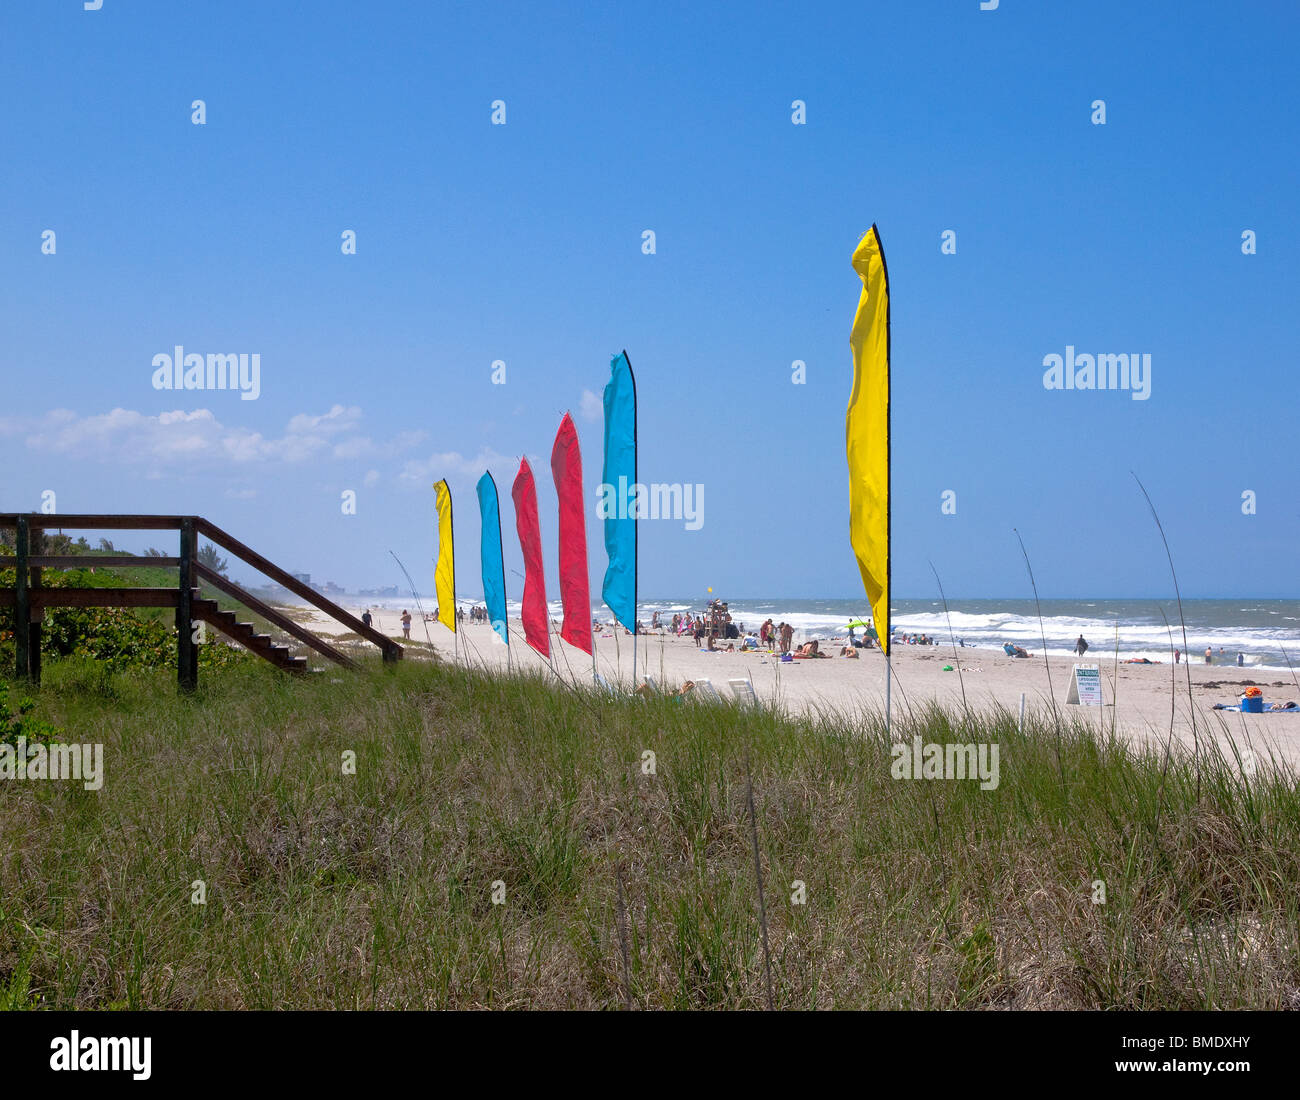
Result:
444,576
867,430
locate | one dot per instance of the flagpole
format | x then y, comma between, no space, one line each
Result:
636,517
455,617
889,493
888,677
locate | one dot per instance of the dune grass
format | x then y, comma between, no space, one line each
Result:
375,890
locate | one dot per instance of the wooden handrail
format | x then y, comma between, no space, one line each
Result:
91,561
94,597
83,521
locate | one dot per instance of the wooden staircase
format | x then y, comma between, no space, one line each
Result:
246,635
29,598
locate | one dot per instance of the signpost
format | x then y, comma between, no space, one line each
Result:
1085,686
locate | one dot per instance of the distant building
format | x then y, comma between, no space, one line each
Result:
304,577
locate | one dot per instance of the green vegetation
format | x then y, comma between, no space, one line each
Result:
330,890
136,638
119,638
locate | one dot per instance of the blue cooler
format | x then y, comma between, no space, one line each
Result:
1252,704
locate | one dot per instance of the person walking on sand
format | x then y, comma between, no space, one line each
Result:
1177,656
1080,647
365,617
406,623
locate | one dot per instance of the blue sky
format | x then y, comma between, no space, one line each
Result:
523,243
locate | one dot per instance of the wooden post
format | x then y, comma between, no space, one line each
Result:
22,603
187,653
34,646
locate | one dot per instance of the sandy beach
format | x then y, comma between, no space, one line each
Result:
1136,697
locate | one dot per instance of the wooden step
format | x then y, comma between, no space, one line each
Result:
246,635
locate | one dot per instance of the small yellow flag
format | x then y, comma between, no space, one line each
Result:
444,575
867,431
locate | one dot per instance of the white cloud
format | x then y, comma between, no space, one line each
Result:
591,406
338,419
424,472
197,438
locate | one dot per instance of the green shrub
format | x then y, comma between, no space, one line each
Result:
17,720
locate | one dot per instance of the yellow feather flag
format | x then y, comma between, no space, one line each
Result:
444,576
867,430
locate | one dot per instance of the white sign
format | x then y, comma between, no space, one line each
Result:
1085,686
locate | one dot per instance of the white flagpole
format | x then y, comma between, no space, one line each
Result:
888,712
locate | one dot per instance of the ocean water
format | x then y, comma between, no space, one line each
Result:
1266,632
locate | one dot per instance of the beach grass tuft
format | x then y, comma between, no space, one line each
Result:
505,842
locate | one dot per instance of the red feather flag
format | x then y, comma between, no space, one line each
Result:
524,493
575,590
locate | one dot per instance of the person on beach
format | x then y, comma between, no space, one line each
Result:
1178,656
365,617
1241,659
1209,655
406,623
698,631
787,636
1080,647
